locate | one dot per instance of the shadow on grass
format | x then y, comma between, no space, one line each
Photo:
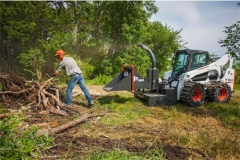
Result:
181,107
114,98
200,111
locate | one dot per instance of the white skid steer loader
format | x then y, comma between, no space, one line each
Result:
193,79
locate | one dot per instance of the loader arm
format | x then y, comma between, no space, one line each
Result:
221,70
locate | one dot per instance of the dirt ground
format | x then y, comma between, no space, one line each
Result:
77,143
91,135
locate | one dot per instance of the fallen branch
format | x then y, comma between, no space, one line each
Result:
45,83
59,103
46,124
11,92
64,126
69,124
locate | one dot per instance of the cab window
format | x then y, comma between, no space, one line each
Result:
198,60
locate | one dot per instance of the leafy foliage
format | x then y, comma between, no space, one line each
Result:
232,42
98,32
32,62
99,80
17,142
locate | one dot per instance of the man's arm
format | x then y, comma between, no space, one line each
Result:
60,67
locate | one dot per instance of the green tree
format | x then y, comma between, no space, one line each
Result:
232,42
120,24
102,34
25,23
123,21
163,40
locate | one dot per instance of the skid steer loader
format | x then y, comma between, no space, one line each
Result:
193,80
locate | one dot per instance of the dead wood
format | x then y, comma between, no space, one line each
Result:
15,91
19,92
70,108
45,83
64,126
56,91
57,111
59,103
70,124
3,115
47,124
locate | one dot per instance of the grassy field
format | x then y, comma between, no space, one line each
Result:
125,128
131,130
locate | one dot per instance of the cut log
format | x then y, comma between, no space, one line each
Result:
67,125
70,124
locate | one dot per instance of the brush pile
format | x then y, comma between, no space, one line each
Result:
15,91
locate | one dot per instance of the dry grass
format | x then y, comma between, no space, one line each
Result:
178,132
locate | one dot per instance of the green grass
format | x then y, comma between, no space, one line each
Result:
115,154
237,87
99,80
211,130
118,154
229,114
126,109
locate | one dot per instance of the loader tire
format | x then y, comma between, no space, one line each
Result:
193,94
221,93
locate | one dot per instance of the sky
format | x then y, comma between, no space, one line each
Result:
202,22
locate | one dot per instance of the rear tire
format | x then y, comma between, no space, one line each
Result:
220,93
193,94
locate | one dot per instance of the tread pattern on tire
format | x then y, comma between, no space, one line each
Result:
186,94
213,93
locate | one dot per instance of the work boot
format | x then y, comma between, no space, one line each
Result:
90,104
69,105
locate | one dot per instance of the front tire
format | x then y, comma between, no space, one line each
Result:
193,94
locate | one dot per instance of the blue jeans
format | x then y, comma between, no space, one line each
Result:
77,79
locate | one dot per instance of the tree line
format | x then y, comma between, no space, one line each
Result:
102,34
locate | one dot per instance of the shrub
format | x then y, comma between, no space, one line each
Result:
19,143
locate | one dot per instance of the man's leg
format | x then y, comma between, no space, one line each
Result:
83,87
71,83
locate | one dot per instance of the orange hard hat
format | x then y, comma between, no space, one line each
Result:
60,53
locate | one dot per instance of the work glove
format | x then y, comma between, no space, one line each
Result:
53,75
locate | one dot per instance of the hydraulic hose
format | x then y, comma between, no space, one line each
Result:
150,53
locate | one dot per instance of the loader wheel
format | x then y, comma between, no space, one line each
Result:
193,94
197,94
220,93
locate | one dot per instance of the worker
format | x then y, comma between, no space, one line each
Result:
76,76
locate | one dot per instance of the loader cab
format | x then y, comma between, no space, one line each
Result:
188,60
